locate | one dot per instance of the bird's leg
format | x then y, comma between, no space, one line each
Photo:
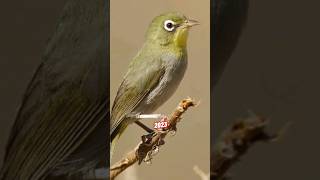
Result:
150,131
144,116
146,128
148,116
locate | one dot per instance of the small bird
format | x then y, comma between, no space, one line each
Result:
154,73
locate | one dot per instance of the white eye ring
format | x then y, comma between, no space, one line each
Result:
169,25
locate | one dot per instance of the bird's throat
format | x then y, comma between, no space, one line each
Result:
181,37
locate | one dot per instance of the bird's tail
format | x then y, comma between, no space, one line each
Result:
113,144
115,137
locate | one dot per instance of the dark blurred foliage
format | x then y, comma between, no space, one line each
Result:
228,19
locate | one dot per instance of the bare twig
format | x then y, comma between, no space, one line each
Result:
202,175
236,141
149,145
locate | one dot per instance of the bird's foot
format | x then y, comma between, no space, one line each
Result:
153,147
148,137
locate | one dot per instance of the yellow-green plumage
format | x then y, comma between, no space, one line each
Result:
154,73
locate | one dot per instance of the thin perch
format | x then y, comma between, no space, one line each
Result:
235,142
147,146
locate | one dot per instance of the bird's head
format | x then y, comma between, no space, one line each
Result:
170,29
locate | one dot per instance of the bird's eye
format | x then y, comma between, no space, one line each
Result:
169,25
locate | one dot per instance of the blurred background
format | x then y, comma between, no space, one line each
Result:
190,146
274,71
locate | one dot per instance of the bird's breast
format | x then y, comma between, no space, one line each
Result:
175,67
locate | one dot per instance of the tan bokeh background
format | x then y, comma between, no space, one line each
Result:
191,145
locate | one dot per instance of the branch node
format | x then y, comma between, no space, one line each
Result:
150,144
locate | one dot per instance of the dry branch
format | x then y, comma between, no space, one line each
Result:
236,141
201,174
149,145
